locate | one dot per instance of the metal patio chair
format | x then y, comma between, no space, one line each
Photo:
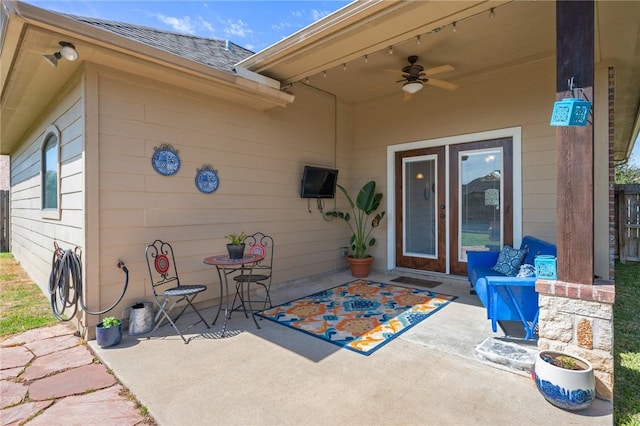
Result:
260,274
167,287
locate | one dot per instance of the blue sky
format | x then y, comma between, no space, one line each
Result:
252,24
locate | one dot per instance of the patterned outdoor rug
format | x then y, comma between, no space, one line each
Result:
360,315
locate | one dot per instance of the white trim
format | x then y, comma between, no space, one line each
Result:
515,133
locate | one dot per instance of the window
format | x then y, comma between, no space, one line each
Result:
51,171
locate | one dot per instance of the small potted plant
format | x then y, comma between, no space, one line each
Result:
367,202
566,381
109,332
236,246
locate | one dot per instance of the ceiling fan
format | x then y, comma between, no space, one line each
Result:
415,77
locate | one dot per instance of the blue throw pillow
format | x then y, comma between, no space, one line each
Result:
509,261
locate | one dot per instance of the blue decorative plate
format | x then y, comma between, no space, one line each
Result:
165,160
207,179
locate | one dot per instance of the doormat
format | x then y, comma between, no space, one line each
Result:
416,281
360,315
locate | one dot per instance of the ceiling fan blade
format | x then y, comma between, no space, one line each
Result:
442,84
438,70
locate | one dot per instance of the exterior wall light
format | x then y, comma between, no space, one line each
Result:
67,51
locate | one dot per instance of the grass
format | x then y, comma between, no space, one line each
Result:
626,327
22,304
24,307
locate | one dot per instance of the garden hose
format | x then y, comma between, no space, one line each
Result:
65,284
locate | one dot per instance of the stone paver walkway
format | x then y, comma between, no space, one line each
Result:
49,377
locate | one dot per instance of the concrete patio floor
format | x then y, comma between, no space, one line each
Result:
278,376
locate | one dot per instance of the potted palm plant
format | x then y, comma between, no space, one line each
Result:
109,332
236,246
366,205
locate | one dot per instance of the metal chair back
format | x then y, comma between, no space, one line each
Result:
261,273
261,243
164,273
162,265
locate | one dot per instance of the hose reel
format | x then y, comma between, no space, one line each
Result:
66,286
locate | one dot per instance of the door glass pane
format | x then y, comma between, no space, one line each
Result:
420,202
480,221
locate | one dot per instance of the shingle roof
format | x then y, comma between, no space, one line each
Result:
219,54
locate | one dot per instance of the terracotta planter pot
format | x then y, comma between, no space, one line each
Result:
360,268
570,389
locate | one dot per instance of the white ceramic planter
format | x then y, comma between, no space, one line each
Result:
564,388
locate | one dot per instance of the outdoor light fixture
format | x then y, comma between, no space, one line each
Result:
67,51
571,111
412,86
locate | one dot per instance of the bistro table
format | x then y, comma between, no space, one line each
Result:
225,266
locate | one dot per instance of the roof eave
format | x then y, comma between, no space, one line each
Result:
325,27
248,89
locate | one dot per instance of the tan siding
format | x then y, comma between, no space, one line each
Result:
259,157
513,98
33,236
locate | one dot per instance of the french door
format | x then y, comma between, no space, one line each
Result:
480,199
434,231
421,209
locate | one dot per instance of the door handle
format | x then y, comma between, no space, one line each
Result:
442,207
442,215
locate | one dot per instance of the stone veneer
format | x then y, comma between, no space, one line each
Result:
578,319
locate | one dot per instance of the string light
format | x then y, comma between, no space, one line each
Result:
454,28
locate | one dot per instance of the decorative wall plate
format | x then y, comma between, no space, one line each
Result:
165,160
207,179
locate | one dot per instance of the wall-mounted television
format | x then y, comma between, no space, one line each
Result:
318,182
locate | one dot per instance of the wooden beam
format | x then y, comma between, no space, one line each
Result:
575,213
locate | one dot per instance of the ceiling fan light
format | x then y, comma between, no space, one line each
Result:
412,86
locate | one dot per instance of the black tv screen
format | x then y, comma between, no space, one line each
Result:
318,182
